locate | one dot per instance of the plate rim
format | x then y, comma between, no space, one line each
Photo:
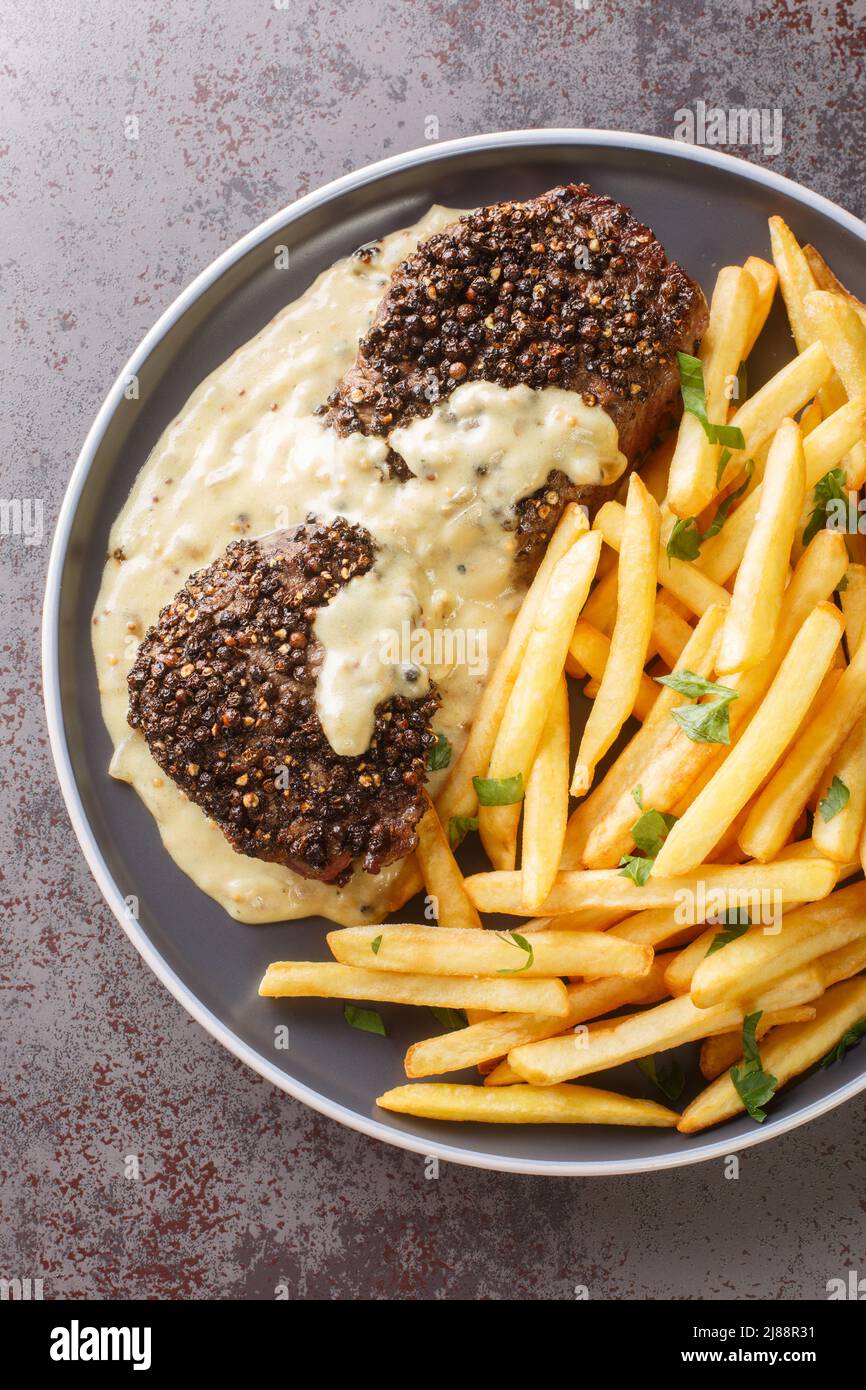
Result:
364,1124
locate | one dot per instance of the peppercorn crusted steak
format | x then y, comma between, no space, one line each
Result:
223,690
566,290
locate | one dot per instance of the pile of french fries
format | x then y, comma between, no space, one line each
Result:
708,887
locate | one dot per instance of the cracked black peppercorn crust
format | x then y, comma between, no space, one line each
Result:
567,290
223,690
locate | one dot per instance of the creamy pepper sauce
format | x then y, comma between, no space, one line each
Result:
247,456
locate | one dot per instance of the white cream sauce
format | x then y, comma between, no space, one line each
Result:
246,456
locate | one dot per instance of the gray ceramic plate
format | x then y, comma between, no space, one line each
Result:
708,209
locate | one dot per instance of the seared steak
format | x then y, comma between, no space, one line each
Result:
223,690
567,290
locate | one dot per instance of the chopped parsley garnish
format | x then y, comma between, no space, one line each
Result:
836,799
737,923
513,939
753,1085
695,402
499,791
439,755
849,1039
830,488
636,868
685,540
668,1076
708,723
452,1019
367,1020
459,827
374,945
649,833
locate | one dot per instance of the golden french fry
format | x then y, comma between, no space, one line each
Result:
825,448
717,887
427,950
797,283
680,578
760,957
783,395
826,280
484,1042
534,686
853,600
590,648
524,1105
303,979
761,744
837,832
784,798
757,596
766,279
671,633
835,321
844,962
786,1053
636,592
692,481
442,877
458,795
502,1074
724,1050
545,809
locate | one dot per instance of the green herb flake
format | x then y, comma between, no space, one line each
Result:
830,488
452,1019
439,755
668,1076
374,945
687,683
849,1039
637,794
836,799
736,924
366,1020
695,402
710,723
637,869
499,791
513,939
459,827
651,830
753,1085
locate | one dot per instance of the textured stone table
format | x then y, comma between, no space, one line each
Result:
241,108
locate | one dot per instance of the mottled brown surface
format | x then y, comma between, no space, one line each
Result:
223,688
242,1189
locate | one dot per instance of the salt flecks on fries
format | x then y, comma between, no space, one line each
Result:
706,890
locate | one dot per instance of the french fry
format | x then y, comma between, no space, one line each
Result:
692,484
458,795
797,283
503,1074
757,596
786,1053
636,592
783,395
545,809
762,743
760,957
668,765
724,1050
694,588
296,979
484,1042
826,280
837,832
617,786
442,877
590,648
509,1105
658,1029
835,321
427,950
671,633
766,280
784,798
718,887
534,686
853,600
